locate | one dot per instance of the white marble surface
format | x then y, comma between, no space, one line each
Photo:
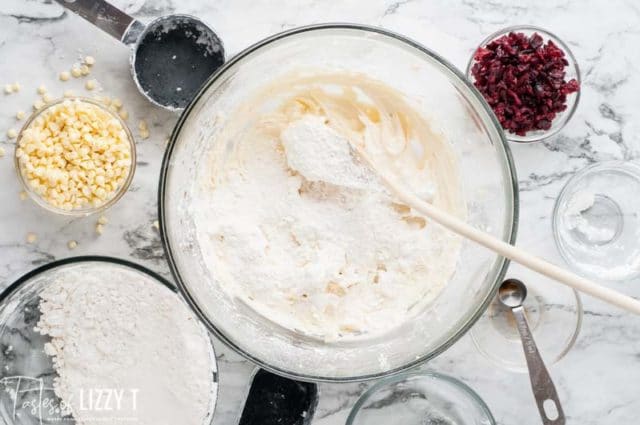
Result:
600,378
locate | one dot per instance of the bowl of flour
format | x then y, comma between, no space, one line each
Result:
95,339
286,242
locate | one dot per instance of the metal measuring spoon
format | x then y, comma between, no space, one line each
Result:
170,57
512,293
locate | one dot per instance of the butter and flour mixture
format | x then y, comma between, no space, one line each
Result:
125,349
295,225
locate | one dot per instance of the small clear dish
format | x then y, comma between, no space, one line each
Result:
79,212
572,71
554,313
596,225
419,398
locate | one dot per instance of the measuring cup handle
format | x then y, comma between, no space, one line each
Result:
107,17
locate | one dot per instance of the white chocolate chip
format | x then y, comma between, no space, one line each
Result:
144,134
42,89
103,220
76,72
8,89
124,114
1,152
12,133
38,104
64,76
117,103
19,115
68,93
84,70
89,60
74,155
90,85
23,195
16,87
72,244
156,225
99,229
31,237
47,98
142,125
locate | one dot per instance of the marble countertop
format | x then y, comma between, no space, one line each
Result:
598,380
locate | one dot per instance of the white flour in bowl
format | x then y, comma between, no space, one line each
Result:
126,350
329,253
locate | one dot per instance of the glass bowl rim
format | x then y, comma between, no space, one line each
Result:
572,63
614,164
26,277
506,156
84,212
436,376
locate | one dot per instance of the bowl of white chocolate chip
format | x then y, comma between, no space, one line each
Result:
283,237
75,157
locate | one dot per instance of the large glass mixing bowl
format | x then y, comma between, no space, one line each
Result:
451,104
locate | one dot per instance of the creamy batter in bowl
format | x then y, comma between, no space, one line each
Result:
372,288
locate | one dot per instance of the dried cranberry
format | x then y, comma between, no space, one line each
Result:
523,80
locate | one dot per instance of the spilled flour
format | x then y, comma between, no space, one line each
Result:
293,224
117,335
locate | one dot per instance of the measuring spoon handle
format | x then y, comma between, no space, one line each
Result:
541,383
107,17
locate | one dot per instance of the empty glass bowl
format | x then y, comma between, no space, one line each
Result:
572,71
554,313
420,398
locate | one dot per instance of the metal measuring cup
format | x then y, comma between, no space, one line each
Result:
170,57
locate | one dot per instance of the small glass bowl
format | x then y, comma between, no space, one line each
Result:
554,313
81,212
572,71
596,225
418,398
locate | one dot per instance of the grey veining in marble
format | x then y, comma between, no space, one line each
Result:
598,381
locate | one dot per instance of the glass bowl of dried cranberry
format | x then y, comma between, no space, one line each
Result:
530,79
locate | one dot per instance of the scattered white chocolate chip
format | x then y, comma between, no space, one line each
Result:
68,93
89,60
12,133
90,84
72,244
16,87
99,229
8,89
23,195
1,152
144,134
38,104
64,76
42,89
84,70
156,225
76,72
31,237
19,115
124,114
103,220
142,125
47,98
117,103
